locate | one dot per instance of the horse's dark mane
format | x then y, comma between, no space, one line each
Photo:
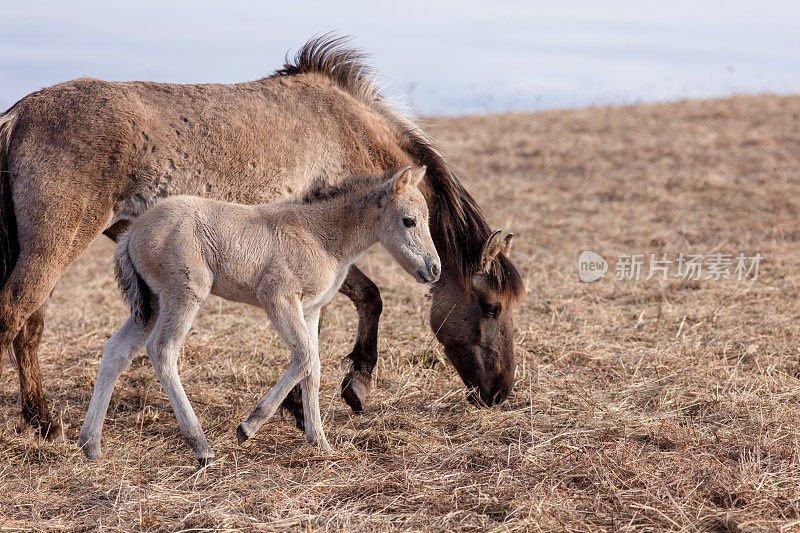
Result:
457,215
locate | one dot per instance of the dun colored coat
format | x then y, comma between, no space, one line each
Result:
87,157
287,258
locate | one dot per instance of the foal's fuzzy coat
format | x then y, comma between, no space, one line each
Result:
289,259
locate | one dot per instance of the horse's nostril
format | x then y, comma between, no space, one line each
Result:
435,271
500,396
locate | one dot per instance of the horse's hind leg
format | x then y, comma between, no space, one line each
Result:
367,299
118,353
47,250
34,404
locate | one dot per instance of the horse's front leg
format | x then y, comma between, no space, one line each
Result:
367,298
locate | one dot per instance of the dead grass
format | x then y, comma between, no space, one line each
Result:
645,405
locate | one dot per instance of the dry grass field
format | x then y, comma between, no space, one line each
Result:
639,405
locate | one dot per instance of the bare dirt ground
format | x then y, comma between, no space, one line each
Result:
639,405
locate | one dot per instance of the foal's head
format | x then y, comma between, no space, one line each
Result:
404,226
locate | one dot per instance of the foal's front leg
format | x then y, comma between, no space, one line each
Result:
286,314
366,296
310,389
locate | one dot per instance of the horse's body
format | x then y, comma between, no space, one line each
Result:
287,258
86,157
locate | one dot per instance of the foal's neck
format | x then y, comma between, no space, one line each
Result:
347,225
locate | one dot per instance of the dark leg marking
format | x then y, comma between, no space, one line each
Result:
34,404
367,298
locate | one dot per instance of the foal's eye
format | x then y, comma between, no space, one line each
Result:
409,222
490,310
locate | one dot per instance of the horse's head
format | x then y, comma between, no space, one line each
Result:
404,230
473,319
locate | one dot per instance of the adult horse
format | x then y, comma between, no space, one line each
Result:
87,156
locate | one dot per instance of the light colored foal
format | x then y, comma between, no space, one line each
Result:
289,259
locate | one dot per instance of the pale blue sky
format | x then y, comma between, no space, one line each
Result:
439,57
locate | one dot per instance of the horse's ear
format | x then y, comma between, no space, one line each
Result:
491,248
507,244
402,180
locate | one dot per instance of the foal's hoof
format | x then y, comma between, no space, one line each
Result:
355,390
327,450
241,435
90,448
206,460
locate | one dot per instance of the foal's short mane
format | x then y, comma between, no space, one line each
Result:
356,184
461,220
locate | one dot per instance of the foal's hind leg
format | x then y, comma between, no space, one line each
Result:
163,347
118,353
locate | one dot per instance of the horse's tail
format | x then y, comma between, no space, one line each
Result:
134,289
9,245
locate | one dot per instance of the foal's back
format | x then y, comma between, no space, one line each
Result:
194,245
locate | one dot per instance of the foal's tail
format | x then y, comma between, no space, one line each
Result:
134,289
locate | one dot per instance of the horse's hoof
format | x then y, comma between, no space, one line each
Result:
50,432
293,405
354,392
241,435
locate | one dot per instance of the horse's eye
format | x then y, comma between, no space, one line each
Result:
490,310
409,222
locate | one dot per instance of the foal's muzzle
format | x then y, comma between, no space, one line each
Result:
431,272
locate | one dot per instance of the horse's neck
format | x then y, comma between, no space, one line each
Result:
347,227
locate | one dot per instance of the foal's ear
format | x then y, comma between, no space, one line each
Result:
403,179
493,246
417,175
